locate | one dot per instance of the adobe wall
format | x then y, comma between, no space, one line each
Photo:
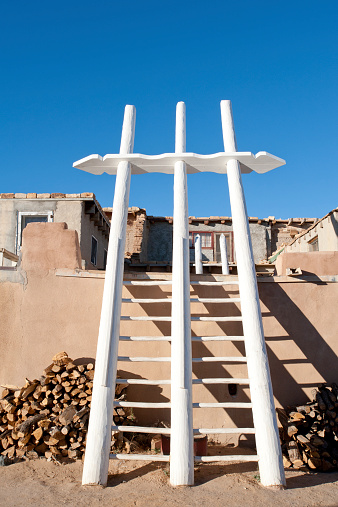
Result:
54,306
317,263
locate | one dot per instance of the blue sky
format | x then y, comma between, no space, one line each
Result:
69,68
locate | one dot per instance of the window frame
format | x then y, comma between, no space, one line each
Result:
21,214
312,242
195,233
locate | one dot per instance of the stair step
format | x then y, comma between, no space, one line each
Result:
234,457
141,457
213,359
143,359
221,381
142,381
139,404
141,301
218,404
142,429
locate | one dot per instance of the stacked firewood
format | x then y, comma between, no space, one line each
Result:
309,433
49,416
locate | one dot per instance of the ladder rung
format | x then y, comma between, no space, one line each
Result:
232,282
141,301
142,429
141,457
211,431
234,457
142,381
147,282
218,404
139,404
217,319
143,359
212,359
217,338
145,317
220,381
145,338
215,300
193,338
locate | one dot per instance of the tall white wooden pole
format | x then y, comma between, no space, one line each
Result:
181,442
224,255
198,256
95,470
267,438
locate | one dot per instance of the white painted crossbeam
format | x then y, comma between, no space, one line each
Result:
211,431
141,457
165,163
142,381
228,404
220,381
217,319
213,359
143,359
234,457
141,404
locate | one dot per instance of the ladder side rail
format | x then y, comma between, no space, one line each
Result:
224,255
95,470
267,437
198,256
182,440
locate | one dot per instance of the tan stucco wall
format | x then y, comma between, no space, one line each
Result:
317,263
48,310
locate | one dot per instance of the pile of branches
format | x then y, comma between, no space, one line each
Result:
309,433
49,416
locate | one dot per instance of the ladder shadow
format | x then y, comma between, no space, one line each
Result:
317,357
122,476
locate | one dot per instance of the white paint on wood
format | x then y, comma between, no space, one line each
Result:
141,457
214,431
95,470
146,318
224,255
141,404
142,429
164,163
220,380
142,381
213,359
144,359
234,457
198,256
267,438
181,447
227,404
218,319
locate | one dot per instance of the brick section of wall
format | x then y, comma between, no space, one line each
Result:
136,231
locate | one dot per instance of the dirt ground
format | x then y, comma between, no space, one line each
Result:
141,483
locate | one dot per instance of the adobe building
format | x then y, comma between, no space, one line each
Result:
81,212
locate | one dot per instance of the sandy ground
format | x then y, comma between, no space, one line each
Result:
39,482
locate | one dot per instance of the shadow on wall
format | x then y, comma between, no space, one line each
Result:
301,356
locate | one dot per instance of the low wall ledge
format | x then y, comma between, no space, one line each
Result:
167,276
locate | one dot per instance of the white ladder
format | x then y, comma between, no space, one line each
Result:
99,431
203,381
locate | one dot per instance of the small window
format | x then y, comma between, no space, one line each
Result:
105,253
93,255
206,239
25,218
314,245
